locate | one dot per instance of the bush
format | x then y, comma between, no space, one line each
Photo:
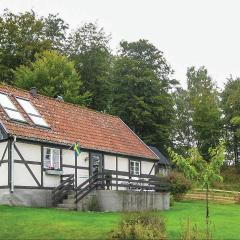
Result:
179,185
192,232
140,226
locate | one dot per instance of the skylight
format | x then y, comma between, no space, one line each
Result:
32,112
10,109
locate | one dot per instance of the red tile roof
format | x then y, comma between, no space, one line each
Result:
70,123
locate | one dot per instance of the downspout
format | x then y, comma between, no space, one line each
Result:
12,164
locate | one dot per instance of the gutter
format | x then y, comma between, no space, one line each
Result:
12,163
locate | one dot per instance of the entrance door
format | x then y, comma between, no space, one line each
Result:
96,163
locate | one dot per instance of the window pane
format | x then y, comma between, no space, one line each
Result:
47,158
56,158
39,121
6,102
15,115
27,106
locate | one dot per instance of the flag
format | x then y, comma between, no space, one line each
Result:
77,149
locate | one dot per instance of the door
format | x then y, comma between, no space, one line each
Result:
96,163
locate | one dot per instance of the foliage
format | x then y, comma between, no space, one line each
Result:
231,179
141,97
140,226
53,75
197,169
182,136
201,171
231,110
179,184
25,34
88,47
204,109
192,232
237,198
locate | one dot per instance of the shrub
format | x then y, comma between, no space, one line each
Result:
179,185
140,226
237,199
192,232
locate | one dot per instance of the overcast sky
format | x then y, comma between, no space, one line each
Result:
189,32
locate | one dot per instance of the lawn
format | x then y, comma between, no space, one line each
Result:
36,223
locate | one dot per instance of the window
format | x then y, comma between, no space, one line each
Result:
32,112
51,158
10,109
134,167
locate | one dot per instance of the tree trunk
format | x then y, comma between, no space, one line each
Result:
207,214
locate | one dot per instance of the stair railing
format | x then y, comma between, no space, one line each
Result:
62,190
121,180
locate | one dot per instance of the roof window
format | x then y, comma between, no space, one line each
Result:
10,109
32,112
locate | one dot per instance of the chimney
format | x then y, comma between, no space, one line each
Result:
33,91
59,98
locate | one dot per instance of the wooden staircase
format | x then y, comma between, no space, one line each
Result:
66,195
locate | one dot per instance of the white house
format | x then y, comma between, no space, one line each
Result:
36,154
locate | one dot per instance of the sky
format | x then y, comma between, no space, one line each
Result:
189,32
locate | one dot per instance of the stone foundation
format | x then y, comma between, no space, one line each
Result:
118,201
26,197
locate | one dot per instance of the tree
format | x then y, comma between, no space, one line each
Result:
197,169
205,109
182,136
88,47
25,34
231,112
141,97
53,75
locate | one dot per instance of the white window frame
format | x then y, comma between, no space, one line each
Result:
133,164
33,116
52,163
12,109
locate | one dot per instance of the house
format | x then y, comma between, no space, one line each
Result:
39,167
163,164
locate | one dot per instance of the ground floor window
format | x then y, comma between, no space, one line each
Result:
51,158
134,167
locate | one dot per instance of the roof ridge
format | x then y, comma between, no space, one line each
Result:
63,102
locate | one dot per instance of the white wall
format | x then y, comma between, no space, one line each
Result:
22,176
83,159
110,162
30,152
82,175
146,167
68,157
4,166
123,164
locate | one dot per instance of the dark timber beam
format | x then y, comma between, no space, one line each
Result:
26,165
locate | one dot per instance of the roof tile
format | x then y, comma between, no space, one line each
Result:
70,123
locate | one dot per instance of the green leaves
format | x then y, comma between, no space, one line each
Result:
141,97
53,75
25,34
198,169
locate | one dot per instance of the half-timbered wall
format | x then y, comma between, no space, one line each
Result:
4,163
27,164
29,171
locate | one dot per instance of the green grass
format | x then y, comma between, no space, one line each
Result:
36,223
